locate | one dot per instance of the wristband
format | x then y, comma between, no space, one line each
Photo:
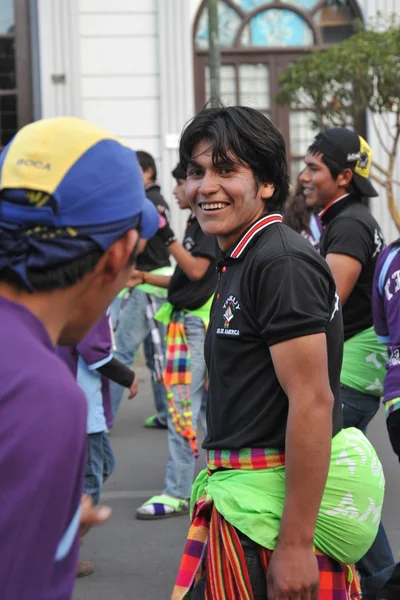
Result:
144,277
170,240
167,235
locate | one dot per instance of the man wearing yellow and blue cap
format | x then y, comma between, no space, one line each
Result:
72,208
336,179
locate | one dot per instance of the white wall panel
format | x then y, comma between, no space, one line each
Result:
148,144
114,6
120,86
135,24
125,117
379,206
119,56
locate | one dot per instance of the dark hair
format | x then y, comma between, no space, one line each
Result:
297,213
334,168
61,276
250,137
146,161
179,172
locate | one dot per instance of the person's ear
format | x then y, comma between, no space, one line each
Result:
267,190
117,257
344,178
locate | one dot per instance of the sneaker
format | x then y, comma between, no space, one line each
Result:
155,423
84,568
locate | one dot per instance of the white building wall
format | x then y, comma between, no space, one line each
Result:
128,66
379,205
119,70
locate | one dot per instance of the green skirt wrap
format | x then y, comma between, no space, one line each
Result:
350,512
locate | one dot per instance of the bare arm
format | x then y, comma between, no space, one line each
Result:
345,270
194,267
301,366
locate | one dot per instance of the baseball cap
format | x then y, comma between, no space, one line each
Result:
67,173
350,151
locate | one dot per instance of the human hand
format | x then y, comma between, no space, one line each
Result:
135,279
133,390
293,573
92,515
164,229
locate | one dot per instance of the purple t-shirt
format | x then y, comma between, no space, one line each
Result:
42,462
94,351
386,314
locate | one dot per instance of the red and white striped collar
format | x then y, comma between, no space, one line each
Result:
254,230
331,203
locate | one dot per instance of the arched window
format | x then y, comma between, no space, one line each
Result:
259,39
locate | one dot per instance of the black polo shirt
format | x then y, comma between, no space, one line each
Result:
273,286
155,254
182,291
350,229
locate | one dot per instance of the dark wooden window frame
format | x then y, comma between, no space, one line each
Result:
23,67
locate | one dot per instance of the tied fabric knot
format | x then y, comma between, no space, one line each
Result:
14,247
38,247
213,550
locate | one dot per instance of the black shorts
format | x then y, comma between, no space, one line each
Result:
257,575
393,427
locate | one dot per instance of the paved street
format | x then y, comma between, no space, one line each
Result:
137,560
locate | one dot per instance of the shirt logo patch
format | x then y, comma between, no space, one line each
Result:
336,307
231,305
378,241
188,244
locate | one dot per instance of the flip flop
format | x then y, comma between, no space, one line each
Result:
162,507
154,423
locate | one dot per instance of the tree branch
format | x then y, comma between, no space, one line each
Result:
380,169
378,133
378,180
386,124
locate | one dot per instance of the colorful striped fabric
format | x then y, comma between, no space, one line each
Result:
212,538
245,458
178,373
391,406
177,369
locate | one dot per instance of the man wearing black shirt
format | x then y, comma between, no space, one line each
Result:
190,291
273,351
134,321
335,180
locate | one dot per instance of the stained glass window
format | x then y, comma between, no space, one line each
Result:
228,23
249,5
278,27
304,4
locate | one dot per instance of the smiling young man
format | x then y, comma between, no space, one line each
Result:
71,204
336,178
273,351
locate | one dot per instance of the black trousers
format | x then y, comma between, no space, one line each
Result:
254,566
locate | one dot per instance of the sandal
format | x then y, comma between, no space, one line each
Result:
162,507
154,423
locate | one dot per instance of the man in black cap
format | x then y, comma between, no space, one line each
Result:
336,179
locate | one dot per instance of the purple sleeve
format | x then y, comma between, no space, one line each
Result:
96,346
378,312
386,299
